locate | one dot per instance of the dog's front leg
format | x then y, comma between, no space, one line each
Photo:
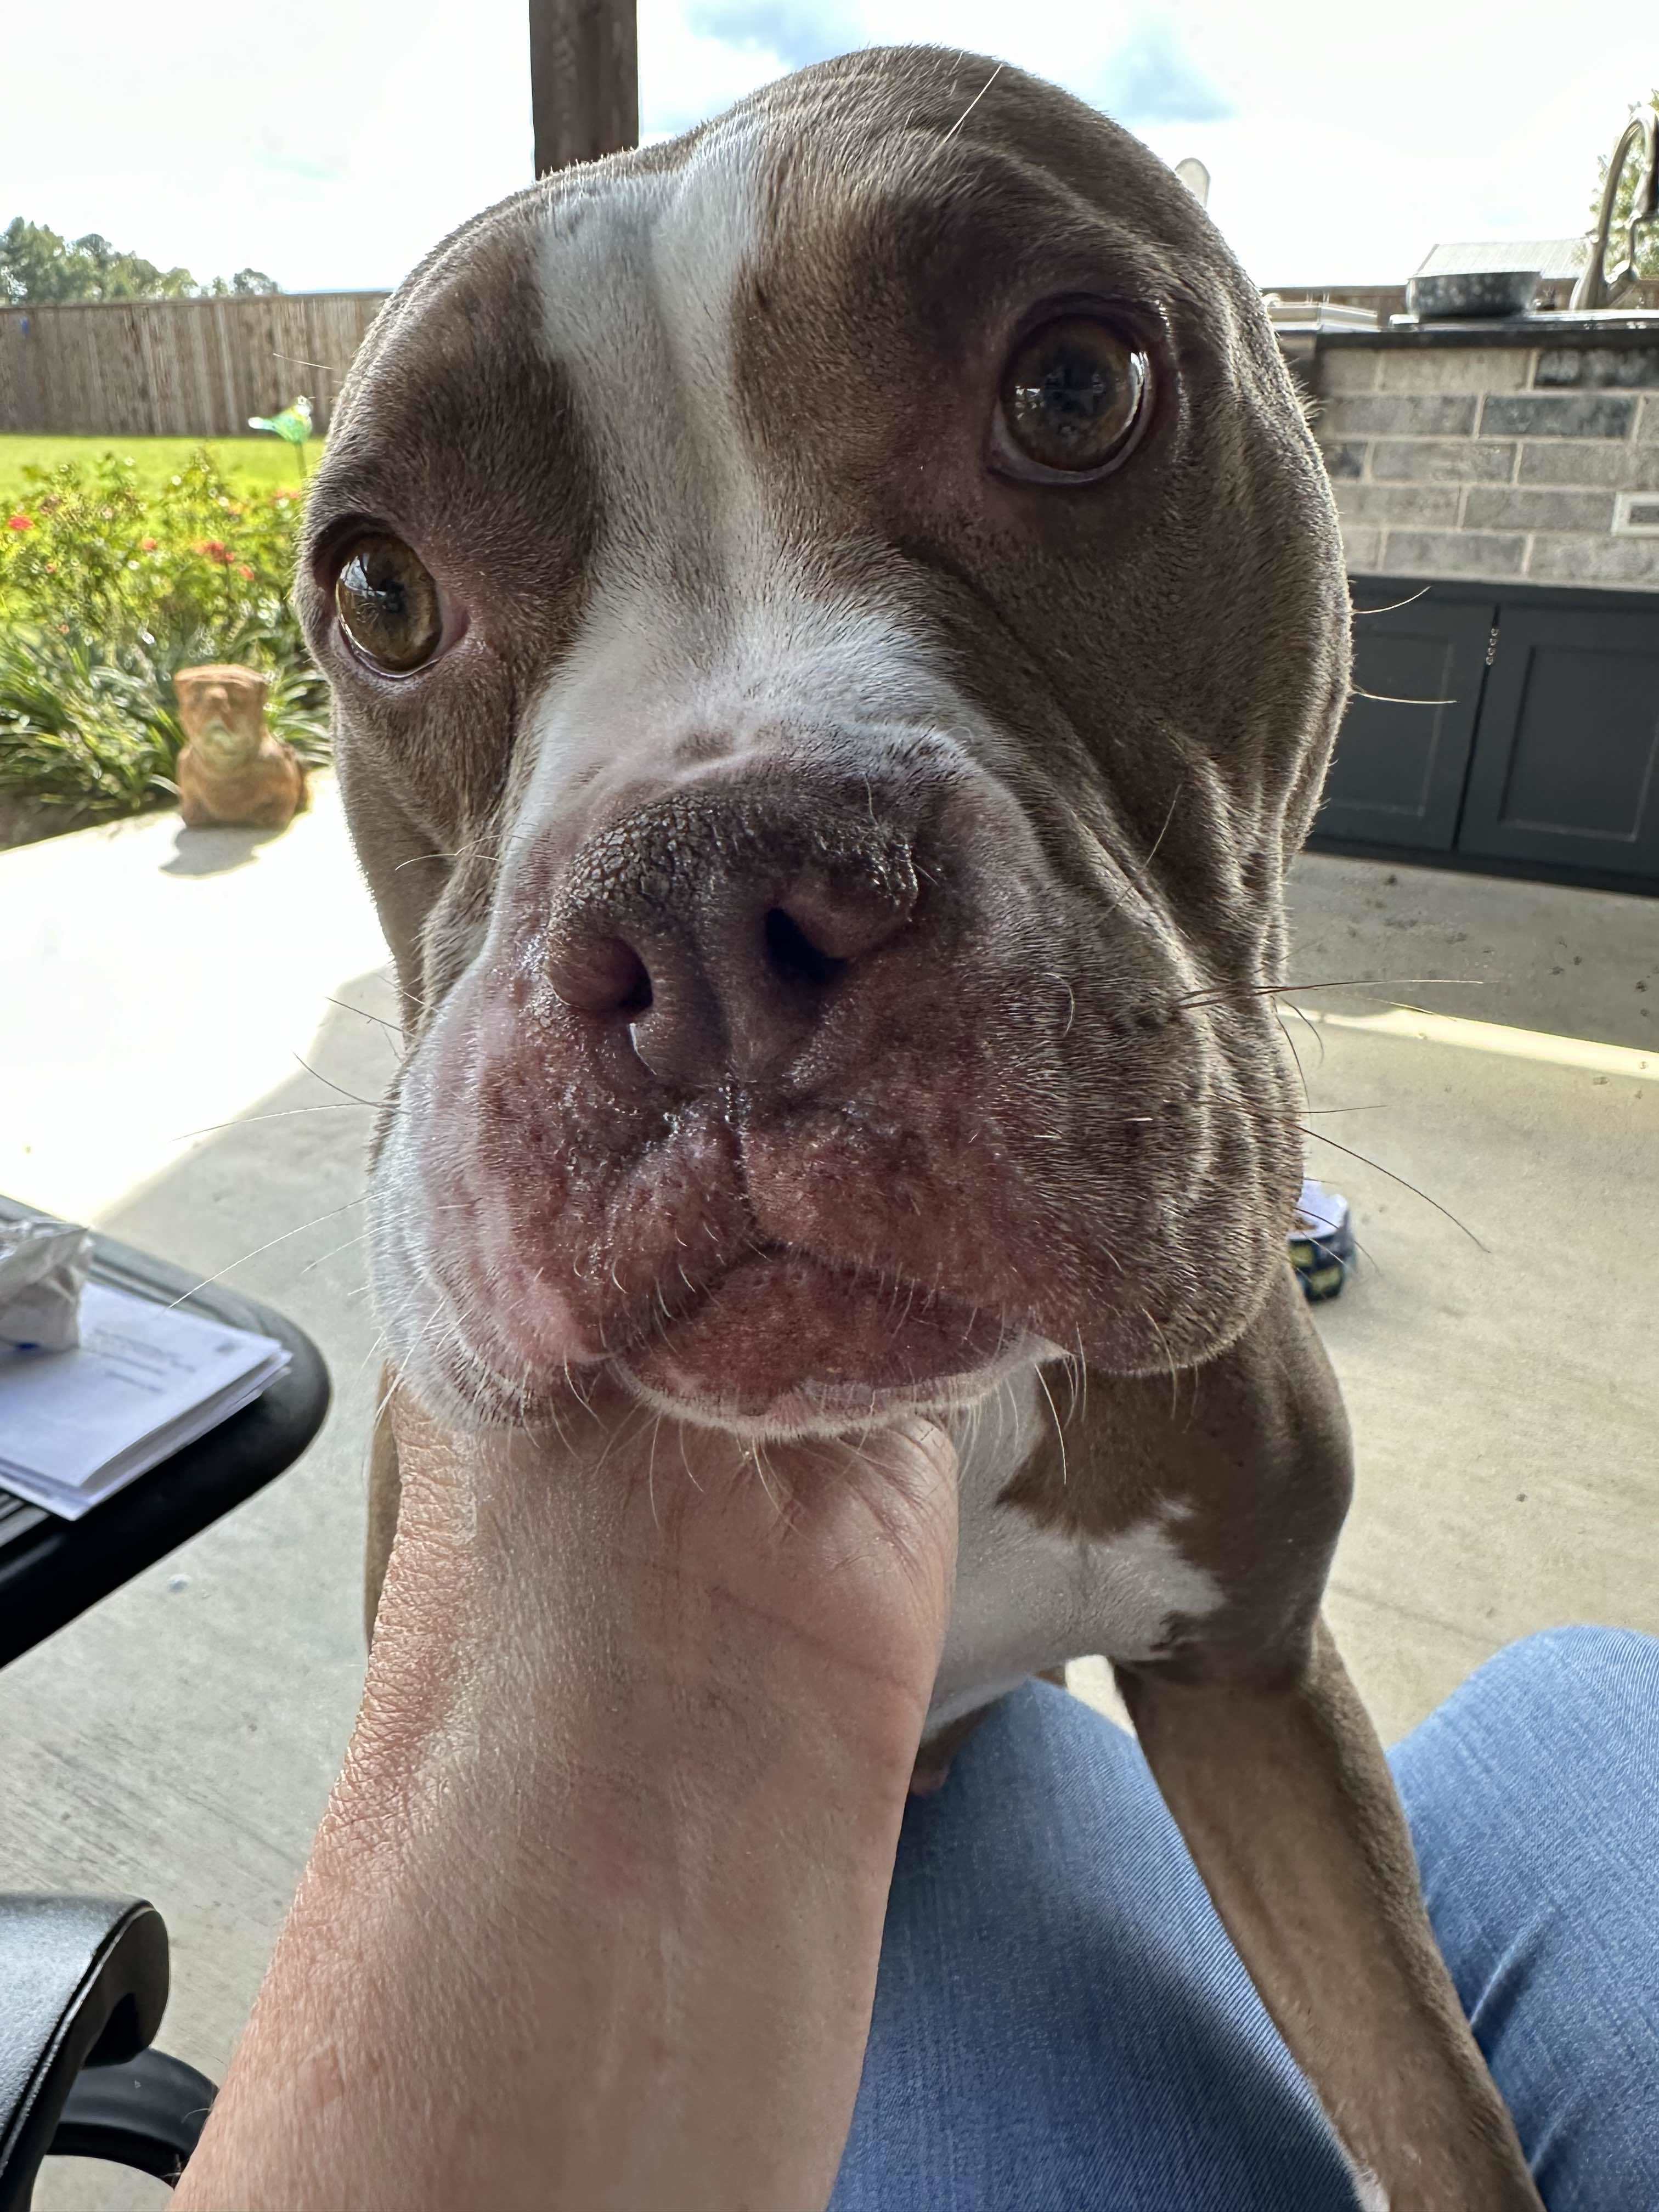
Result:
1288,1807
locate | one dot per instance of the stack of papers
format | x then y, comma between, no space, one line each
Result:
144,1381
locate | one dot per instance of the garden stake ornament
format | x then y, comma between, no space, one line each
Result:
293,425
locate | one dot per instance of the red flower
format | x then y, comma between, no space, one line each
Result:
215,549
244,572
148,544
19,522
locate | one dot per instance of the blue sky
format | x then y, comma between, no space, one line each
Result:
330,142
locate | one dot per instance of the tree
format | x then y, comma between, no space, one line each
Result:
33,265
109,274
1647,239
36,265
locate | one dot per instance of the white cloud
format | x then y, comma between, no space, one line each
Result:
333,141
1151,78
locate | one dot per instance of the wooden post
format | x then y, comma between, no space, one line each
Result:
584,79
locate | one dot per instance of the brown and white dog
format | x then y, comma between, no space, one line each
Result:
836,626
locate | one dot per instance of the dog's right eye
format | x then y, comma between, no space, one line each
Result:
1073,402
388,605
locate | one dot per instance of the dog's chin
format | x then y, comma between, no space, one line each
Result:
813,1408
806,1406
785,1345
790,1348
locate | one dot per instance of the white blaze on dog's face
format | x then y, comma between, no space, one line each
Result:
836,626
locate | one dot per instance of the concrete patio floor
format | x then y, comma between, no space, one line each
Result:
1503,1376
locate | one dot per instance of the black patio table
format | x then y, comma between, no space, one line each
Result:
52,1570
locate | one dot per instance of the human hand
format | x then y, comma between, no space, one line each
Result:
593,1918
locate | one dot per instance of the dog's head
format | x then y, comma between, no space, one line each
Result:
837,625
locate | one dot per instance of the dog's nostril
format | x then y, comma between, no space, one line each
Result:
826,918
606,976
792,954
638,997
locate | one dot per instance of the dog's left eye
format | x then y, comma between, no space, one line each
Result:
388,605
1073,402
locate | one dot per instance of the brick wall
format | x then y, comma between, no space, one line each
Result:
1501,462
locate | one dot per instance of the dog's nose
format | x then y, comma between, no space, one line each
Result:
720,929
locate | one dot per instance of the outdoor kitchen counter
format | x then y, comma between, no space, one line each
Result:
1555,330
1497,484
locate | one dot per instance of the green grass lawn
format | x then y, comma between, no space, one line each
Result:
252,461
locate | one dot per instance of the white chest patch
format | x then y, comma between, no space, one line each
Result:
1029,1597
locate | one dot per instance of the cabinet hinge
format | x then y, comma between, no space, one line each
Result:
1491,646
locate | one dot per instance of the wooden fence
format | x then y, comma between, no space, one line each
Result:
190,368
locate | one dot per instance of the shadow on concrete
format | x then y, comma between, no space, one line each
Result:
214,852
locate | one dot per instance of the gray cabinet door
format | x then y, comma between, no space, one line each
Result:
1566,762
1403,752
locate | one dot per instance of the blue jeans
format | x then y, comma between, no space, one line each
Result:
1062,2026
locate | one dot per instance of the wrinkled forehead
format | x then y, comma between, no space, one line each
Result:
561,340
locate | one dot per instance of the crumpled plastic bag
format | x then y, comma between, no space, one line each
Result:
43,1265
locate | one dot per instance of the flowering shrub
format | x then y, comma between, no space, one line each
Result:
104,590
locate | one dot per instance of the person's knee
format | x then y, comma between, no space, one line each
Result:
1533,1800
1578,1702
1558,1732
1560,1668
1582,1651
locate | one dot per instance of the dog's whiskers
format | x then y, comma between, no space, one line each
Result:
331,1085
362,1235
1317,1033
1395,605
1290,1045
1060,1432
1220,993
346,1007
1365,1160
332,1214
247,1121
685,1460
1151,1320
758,1458
1157,841
1387,699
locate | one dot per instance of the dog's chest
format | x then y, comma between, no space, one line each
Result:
1029,1597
